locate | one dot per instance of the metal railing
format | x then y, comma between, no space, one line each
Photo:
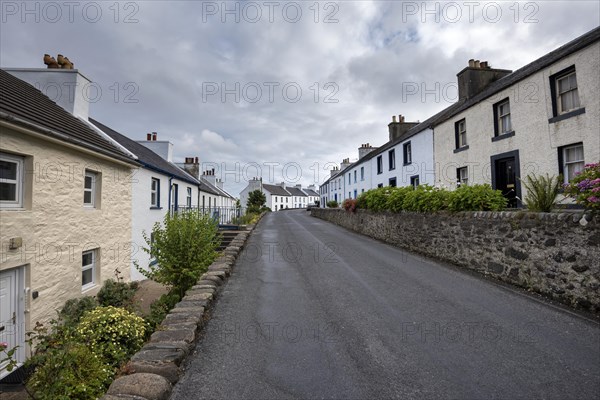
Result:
223,215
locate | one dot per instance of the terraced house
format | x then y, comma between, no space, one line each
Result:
65,205
541,119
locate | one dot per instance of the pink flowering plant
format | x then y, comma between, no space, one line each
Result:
585,187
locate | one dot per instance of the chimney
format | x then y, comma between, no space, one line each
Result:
282,184
476,77
209,176
61,83
219,184
192,167
163,148
255,184
334,171
365,149
397,129
345,163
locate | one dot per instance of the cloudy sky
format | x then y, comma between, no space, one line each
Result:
279,89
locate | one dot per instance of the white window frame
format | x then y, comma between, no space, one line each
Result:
407,153
462,133
574,91
362,173
18,181
463,176
392,159
188,199
567,164
155,192
92,190
504,116
87,267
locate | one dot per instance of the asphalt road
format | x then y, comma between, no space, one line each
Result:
313,311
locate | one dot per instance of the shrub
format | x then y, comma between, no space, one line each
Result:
542,192
396,198
585,187
112,333
332,204
72,372
160,308
116,294
349,205
184,246
426,198
74,309
476,198
376,199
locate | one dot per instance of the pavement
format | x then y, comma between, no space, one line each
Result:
314,311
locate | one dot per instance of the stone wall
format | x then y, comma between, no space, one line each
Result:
557,254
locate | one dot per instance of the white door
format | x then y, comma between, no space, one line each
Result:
11,331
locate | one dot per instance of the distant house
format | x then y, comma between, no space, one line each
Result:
312,195
65,203
277,197
298,198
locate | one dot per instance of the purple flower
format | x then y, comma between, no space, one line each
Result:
584,185
593,199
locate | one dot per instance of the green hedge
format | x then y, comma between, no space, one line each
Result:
426,198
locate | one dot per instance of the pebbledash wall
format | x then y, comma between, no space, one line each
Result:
555,254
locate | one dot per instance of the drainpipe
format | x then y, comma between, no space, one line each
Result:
170,190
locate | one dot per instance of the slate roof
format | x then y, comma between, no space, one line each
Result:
276,190
294,191
150,159
311,192
24,105
495,87
216,189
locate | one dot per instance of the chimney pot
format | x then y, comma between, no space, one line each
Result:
484,64
154,136
394,118
472,63
477,64
196,160
148,136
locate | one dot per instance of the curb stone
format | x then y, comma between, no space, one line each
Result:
154,369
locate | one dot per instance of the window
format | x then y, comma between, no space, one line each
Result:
379,165
349,178
89,189
203,201
88,269
188,199
571,161
407,152
502,122
355,193
392,159
414,181
362,173
275,199
155,193
462,176
565,95
380,185
354,176
349,195
460,132
11,181
393,182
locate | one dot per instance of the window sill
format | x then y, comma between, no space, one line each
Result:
156,208
503,136
392,169
88,287
461,149
567,115
405,164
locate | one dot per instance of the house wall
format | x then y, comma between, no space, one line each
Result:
55,227
535,138
524,249
422,162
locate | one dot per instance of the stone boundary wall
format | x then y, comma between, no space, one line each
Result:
554,254
152,371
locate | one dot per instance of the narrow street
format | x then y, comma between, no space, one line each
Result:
315,311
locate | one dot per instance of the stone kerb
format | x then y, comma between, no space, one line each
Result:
152,371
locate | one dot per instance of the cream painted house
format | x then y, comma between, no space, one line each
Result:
65,208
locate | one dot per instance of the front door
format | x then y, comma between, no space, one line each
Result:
506,179
11,318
